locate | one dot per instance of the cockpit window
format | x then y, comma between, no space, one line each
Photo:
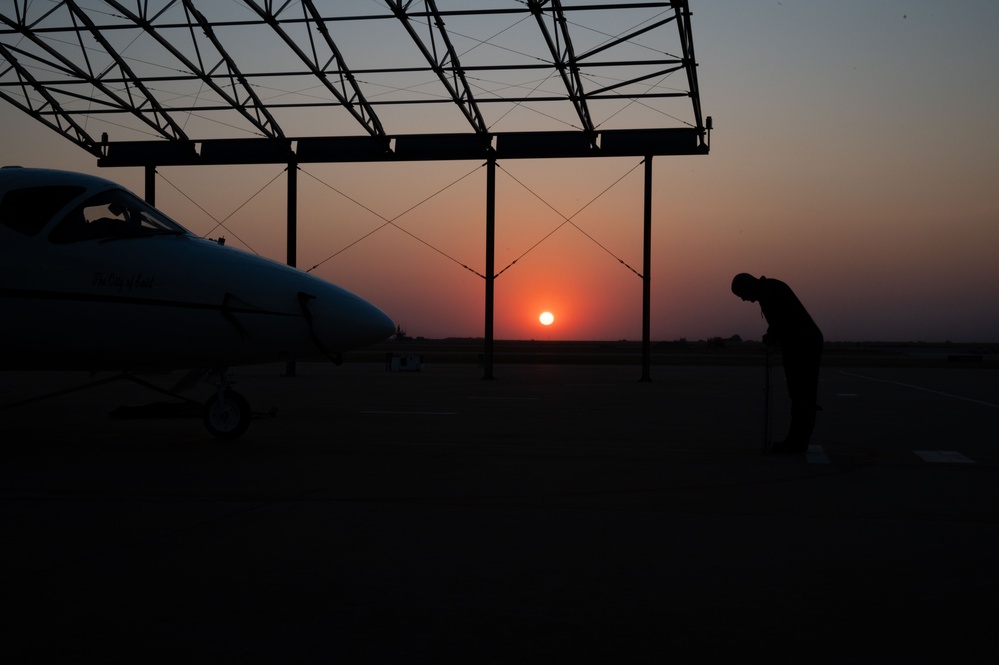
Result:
28,210
111,215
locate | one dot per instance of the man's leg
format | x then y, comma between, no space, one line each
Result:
801,368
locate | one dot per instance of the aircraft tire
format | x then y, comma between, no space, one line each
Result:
228,417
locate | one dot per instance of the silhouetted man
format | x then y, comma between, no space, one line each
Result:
801,348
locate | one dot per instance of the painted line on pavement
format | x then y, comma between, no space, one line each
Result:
943,457
410,413
929,390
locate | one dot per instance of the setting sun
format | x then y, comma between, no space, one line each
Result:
546,318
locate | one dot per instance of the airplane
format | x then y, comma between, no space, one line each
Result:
93,278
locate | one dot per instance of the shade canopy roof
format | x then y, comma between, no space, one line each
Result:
258,81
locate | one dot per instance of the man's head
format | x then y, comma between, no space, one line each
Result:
746,287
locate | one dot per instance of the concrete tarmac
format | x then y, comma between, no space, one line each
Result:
556,514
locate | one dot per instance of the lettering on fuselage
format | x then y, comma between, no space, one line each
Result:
122,283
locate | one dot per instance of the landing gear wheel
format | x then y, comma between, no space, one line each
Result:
227,416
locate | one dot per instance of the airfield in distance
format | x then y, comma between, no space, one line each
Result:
716,351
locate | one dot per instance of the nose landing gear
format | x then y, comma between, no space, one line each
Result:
227,413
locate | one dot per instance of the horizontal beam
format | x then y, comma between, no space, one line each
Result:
407,147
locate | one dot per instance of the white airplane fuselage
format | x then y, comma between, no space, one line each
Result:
133,290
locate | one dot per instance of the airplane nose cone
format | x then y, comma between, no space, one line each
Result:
373,325
343,321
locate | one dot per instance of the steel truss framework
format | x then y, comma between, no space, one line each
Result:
192,82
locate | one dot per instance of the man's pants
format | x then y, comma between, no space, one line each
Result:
801,369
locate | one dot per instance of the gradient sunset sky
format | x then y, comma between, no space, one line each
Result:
855,156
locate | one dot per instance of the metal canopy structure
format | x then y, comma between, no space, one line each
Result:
190,82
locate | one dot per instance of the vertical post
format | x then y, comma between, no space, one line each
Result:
767,404
151,184
487,358
292,242
647,276
292,214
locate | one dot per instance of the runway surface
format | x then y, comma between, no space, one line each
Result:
559,513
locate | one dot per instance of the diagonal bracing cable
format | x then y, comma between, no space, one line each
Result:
568,220
222,222
391,222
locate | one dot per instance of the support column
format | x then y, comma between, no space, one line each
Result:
292,245
487,356
647,276
292,242
151,184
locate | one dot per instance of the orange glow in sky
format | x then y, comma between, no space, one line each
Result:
854,156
